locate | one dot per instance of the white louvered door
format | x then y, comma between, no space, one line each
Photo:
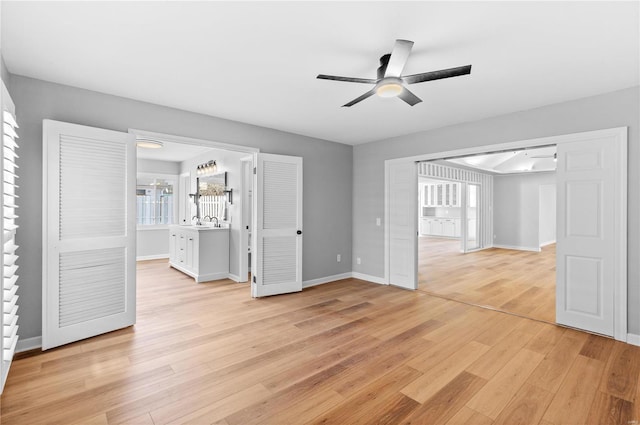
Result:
9,306
89,223
278,225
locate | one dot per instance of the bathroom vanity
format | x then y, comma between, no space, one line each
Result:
201,252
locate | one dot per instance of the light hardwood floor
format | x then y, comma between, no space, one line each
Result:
348,352
519,282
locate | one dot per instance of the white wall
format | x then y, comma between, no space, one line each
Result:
516,209
228,161
547,214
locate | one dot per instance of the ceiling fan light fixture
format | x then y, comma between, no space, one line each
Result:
389,87
149,144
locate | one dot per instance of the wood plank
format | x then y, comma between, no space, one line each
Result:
466,416
448,401
526,407
380,400
497,393
621,375
610,410
551,372
572,402
438,377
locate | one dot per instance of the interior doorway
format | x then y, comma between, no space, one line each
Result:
591,256
194,208
487,233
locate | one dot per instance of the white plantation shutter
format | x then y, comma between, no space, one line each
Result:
10,287
278,225
89,230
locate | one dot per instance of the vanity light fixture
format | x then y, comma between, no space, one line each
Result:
149,144
207,168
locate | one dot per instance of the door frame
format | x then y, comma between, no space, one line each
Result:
620,285
252,155
246,182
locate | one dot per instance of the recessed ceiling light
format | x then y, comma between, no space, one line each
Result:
149,144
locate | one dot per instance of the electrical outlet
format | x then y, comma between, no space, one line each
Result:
339,258
358,260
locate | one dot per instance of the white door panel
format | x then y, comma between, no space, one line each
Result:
402,210
587,237
278,225
88,231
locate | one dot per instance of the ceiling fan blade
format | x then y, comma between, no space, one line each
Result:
437,75
347,79
409,97
360,99
398,59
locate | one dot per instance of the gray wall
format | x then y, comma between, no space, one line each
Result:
160,167
516,209
547,213
616,109
327,173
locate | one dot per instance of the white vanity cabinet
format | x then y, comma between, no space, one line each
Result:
435,226
199,251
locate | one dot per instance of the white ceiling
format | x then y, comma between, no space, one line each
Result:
521,161
256,62
173,152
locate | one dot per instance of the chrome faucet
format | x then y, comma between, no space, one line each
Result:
205,217
217,221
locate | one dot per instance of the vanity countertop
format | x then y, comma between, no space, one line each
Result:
202,228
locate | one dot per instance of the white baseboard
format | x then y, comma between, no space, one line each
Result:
28,344
152,257
518,248
368,278
633,339
547,243
326,279
236,278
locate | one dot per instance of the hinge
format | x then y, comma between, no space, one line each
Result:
254,170
254,279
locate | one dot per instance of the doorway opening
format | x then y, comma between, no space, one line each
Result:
591,249
487,230
194,208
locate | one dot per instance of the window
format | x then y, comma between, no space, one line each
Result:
155,200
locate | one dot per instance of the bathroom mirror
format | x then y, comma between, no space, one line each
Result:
213,200
213,185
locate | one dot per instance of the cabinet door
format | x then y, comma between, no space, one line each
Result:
456,232
447,195
182,246
436,227
432,195
439,195
191,251
172,245
455,194
448,228
424,226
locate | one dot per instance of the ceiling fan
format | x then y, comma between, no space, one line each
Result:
391,83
